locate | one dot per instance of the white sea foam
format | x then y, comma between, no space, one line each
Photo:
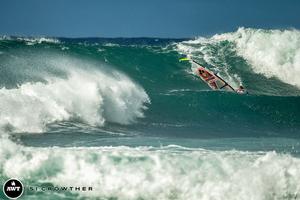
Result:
111,44
38,40
273,53
90,95
32,40
149,173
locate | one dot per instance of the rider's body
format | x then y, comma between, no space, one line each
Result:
241,90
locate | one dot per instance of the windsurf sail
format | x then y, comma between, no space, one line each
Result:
213,80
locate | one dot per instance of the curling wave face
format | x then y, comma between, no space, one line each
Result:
91,96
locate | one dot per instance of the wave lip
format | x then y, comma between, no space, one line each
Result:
89,96
272,52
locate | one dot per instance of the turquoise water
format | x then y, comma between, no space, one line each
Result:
126,117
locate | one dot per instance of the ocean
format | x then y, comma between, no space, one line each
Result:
124,117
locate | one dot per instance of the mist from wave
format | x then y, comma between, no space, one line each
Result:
68,89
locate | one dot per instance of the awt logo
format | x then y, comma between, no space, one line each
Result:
13,188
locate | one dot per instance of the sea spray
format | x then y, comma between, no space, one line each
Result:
91,96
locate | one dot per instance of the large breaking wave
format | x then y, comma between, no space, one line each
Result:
82,93
273,53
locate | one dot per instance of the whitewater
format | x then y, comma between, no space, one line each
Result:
124,116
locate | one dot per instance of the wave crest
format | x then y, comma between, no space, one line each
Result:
272,53
91,96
